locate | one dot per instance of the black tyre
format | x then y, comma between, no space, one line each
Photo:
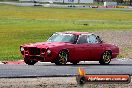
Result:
106,58
62,58
29,62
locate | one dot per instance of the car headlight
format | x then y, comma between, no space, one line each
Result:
48,51
21,49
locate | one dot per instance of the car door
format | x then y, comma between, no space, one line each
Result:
95,47
81,48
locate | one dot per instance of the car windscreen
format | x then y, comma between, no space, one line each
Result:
62,37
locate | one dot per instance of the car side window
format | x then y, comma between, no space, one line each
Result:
92,39
82,39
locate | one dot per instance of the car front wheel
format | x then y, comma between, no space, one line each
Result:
62,58
106,58
29,62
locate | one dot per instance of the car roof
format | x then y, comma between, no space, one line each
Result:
74,32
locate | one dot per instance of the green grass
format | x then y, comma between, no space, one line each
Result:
19,25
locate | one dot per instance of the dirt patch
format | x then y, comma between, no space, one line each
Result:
122,38
53,82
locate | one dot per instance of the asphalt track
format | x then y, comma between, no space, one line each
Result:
117,66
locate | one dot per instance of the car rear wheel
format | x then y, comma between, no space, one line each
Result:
62,58
29,62
106,58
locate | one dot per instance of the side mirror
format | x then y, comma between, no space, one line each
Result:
99,39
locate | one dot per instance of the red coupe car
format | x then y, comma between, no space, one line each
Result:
63,47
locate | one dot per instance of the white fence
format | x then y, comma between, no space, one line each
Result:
62,1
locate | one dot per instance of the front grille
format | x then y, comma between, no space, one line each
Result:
34,51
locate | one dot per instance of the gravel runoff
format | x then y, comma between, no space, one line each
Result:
53,82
